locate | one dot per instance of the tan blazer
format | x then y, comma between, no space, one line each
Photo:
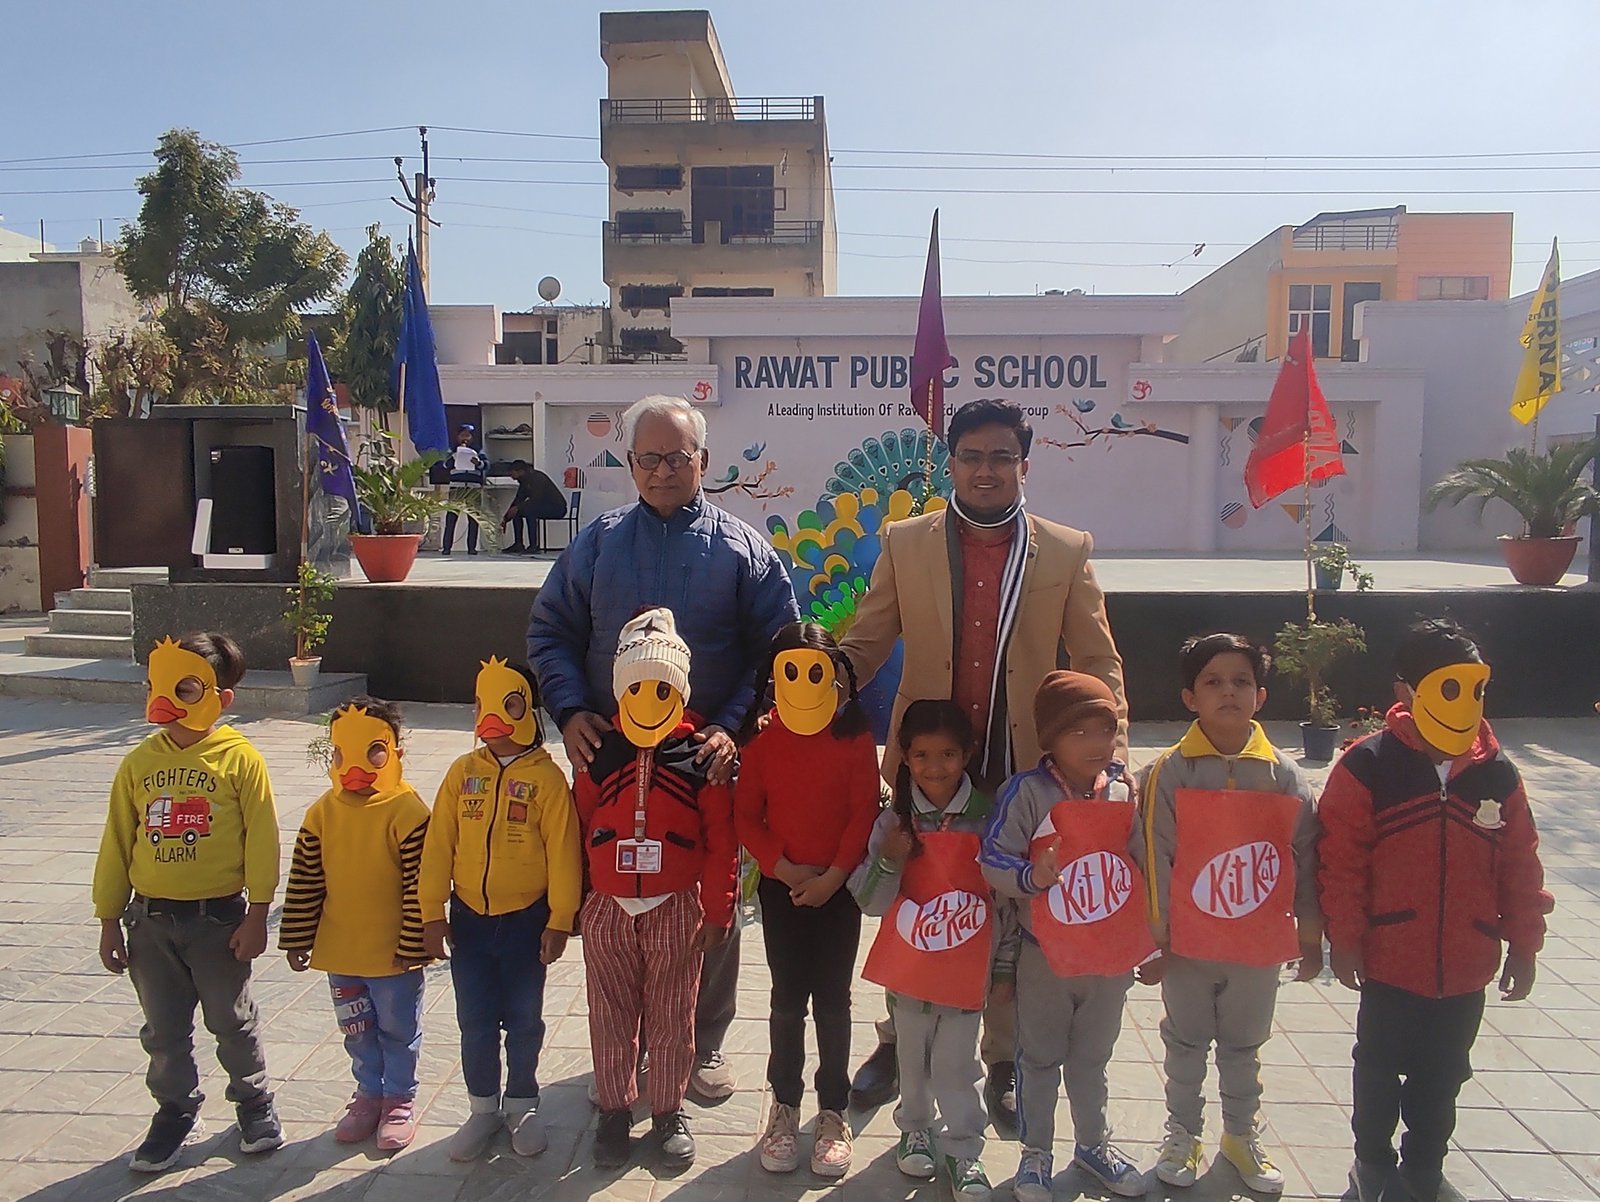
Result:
911,597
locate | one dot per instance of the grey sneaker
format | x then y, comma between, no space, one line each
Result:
528,1136
473,1137
712,1079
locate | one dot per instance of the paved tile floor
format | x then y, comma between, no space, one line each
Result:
72,1097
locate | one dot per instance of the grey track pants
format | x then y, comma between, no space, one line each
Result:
940,1074
1229,1005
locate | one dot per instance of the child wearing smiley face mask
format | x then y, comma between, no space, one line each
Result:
661,856
351,910
805,802
1429,860
189,862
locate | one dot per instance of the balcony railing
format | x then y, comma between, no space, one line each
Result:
707,108
779,233
1366,236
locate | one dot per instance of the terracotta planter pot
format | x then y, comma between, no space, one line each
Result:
385,558
1541,561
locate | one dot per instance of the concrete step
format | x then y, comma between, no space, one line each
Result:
91,621
126,577
96,598
81,646
124,684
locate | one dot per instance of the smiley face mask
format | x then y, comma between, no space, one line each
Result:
505,706
650,678
1447,705
366,754
805,684
182,688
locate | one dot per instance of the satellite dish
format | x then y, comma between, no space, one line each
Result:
549,288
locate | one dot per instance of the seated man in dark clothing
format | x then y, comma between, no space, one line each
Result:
538,499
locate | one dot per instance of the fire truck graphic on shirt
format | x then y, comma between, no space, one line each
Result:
188,820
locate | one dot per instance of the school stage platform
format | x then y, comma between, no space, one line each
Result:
421,640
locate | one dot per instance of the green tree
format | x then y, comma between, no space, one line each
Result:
231,267
364,352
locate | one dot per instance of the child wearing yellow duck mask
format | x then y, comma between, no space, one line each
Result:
351,910
502,875
189,863
805,802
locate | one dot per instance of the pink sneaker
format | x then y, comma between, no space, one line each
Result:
399,1125
359,1121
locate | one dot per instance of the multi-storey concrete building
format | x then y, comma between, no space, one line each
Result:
711,194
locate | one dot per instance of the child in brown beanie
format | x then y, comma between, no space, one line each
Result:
1058,844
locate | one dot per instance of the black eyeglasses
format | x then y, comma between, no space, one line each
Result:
648,461
1000,461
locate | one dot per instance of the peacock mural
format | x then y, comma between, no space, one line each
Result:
831,548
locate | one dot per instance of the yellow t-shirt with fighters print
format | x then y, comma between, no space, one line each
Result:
187,823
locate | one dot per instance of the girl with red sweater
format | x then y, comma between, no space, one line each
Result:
805,802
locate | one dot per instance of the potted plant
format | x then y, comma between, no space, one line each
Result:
1331,561
308,617
1307,651
397,502
1548,491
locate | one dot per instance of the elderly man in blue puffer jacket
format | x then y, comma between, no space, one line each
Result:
729,593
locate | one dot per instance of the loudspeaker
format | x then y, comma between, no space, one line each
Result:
244,501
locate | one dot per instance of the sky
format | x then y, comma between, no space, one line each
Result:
1067,143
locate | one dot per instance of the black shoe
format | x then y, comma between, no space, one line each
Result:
445,553
613,1139
669,1136
473,551
1370,1180
1000,1096
169,1131
515,549
877,1080
259,1128
1422,1185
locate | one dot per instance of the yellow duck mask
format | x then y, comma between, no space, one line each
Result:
505,706
366,754
805,684
1447,705
182,688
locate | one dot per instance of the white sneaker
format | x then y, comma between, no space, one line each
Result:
1179,1162
832,1146
780,1146
914,1155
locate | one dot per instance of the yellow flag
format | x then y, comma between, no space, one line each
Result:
1540,374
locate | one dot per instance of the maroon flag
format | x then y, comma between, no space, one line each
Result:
931,356
1284,457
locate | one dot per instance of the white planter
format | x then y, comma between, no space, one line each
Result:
305,671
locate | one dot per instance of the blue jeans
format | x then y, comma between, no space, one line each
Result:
499,982
381,1018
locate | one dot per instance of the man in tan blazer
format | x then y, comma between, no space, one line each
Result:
986,598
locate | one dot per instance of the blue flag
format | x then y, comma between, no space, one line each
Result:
323,425
423,399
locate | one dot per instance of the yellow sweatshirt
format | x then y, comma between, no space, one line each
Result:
188,823
502,838
351,899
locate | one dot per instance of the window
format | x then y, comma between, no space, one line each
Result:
1452,287
1354,294
643,341
741,198
634,223
649,179
732,292
520,348
1312,305
649,296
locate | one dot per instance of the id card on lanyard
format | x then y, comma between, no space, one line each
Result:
638,854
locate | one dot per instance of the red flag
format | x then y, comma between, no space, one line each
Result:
1283,458
931,356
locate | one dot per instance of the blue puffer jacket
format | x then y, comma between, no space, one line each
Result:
723,582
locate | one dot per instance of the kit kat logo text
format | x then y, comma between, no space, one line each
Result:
1238,881
944,923
1092,888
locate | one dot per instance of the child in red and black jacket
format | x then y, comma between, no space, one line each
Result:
1429,860
804,805
661,858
